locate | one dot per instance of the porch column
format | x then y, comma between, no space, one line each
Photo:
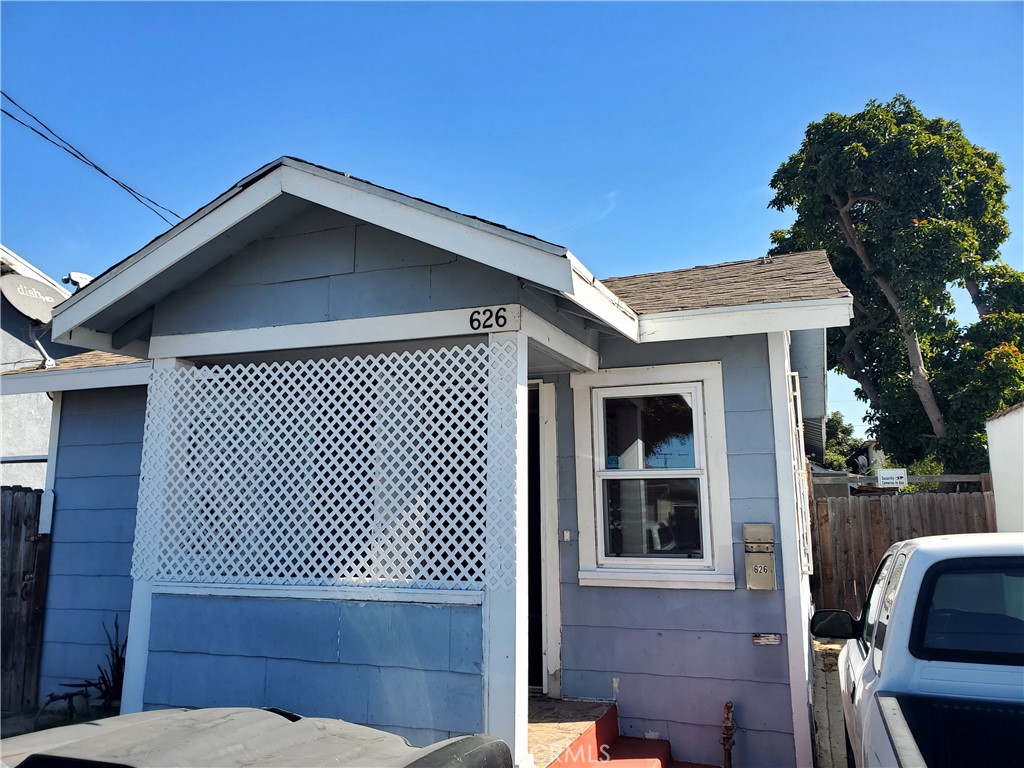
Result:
160,412
505,601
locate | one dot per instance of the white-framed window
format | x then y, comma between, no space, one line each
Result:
652,478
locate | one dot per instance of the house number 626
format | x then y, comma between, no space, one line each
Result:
485,319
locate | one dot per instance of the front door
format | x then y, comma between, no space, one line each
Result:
535,609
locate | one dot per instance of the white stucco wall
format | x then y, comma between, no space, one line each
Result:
1006,457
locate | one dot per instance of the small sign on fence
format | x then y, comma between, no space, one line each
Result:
892,478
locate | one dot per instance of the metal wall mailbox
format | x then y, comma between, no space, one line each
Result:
759,554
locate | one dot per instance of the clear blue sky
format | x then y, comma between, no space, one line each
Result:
641,136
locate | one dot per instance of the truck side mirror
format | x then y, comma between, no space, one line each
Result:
833,623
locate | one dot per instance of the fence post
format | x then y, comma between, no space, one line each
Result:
25,567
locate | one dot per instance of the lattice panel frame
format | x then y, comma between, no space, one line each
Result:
361,470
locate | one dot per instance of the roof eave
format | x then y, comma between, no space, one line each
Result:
527,257
97,377
744,320
592,295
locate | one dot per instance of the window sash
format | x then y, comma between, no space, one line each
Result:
692,392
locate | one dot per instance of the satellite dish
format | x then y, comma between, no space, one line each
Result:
32,298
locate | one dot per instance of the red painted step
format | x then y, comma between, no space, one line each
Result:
593,744
628,752
600,746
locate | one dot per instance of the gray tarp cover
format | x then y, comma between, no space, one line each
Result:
216,737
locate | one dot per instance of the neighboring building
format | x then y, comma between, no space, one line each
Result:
25,433
366,423
1006,458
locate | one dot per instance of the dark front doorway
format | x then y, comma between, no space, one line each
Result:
535,609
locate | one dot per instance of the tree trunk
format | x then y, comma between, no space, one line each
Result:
918,373
975,290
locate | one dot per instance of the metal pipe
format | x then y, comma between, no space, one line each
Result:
727,735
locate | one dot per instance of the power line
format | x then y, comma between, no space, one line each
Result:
58,141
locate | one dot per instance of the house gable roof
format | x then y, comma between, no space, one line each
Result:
111,311
791,277
789,292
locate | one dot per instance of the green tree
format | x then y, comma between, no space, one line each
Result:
905,206
840,443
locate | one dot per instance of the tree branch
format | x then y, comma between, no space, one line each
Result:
976,298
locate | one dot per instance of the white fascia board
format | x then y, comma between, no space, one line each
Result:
333,333
87,338
148,264
558,342
100,377
591,294
794,583
537,262
739,321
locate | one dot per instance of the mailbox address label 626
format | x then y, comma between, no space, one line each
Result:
494,319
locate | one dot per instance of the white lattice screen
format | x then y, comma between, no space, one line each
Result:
356,470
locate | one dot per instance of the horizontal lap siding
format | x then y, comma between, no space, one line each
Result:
323,265
407,668
673,658
96,490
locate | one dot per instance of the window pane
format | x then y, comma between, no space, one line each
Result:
648,433
652,518
976,614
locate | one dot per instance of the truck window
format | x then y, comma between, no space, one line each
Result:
885,609
971,610
874,601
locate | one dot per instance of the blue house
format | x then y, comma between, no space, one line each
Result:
346,452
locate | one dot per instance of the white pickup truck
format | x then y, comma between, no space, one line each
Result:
933,670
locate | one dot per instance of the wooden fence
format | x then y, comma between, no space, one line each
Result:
24,564
850,535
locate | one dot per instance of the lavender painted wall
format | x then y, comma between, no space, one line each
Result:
672,658
96,490
323,265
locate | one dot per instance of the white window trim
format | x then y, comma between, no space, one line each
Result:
716,572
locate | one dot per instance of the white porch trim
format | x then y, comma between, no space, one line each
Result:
550,568
505,608
136,658
100,377
367,594
48,499
796,586
571,350
751,318
367,330
330,333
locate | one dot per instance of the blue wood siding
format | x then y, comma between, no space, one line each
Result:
672,658
408,668
96,490
323,265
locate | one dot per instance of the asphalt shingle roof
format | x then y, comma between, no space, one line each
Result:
94,359
802,276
